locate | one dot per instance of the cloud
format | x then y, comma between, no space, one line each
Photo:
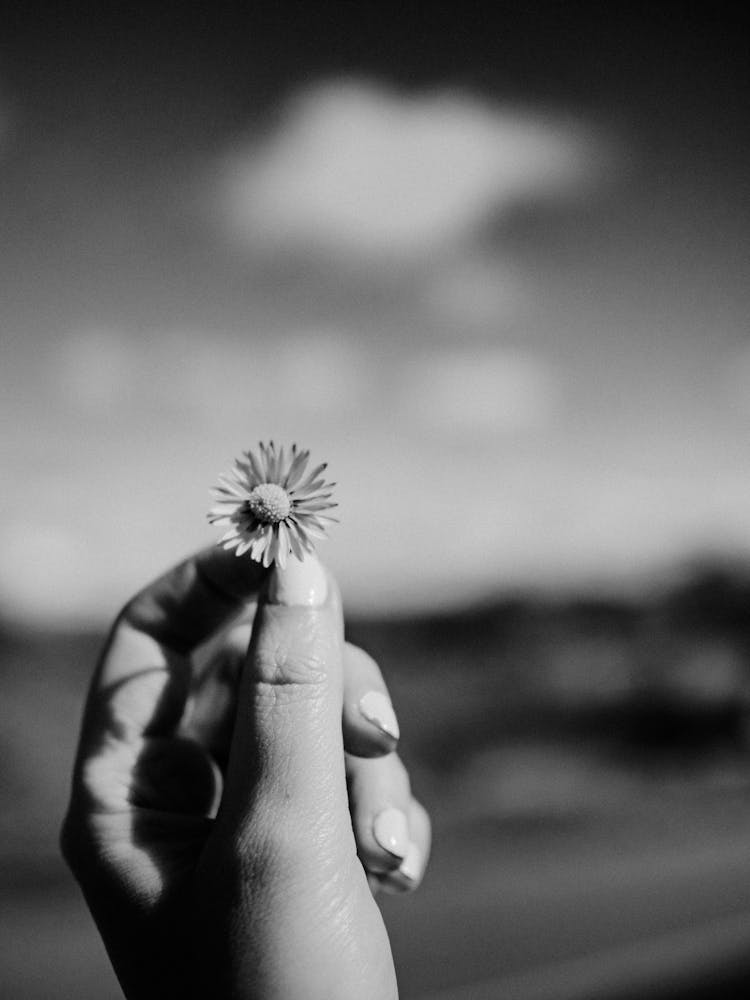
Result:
355,168
95,368
478,292
322,372
488,390
314,371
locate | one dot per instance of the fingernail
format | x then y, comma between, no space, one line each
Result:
302,583
411,866
376,708
391,831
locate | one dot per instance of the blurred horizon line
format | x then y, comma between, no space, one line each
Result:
638,589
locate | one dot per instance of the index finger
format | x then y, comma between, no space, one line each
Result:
144,666
194,599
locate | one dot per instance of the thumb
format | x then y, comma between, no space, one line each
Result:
286,785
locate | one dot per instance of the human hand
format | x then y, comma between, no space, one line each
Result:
227,829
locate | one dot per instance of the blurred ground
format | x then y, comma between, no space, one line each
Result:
586,763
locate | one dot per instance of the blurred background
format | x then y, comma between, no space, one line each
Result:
491,262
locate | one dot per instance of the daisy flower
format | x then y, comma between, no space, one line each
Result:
271,507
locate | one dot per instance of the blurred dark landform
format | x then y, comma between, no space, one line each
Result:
585,760
658,685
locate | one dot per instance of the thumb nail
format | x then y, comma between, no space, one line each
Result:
301,583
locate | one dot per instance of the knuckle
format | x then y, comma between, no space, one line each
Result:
293,650
399,775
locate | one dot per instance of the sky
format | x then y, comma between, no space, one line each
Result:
489,261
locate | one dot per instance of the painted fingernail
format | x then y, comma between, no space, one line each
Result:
376,708
411,866
302,583
391,831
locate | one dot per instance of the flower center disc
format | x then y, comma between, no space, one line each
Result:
269,503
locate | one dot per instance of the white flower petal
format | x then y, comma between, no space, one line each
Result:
313,506
233,488
313,475
294,541
281,556
268,555
296,470
266,460
259,545
256,467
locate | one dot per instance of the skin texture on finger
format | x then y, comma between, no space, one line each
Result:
370,724
286,909
379,797
287,744
209,713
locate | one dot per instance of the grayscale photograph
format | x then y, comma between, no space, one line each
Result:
375,546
